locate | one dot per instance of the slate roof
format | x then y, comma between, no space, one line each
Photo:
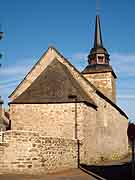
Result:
98,68
54,85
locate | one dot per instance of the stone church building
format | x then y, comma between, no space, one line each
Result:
61,117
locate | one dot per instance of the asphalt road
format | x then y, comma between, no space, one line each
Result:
113,170
74,174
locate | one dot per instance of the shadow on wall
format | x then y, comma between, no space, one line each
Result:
110,172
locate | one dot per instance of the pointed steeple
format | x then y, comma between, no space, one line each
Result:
98,36
98,54
99,71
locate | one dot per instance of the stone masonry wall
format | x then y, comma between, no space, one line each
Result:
30,153
105,137
97,130
105,82
112,131
55,120
88,144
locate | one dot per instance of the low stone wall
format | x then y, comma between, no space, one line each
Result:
32,153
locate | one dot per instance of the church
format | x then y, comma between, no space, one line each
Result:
61,117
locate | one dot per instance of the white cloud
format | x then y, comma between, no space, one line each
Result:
13,70
79,60
80,56
18,68
126,97
124,64
10,76
9,81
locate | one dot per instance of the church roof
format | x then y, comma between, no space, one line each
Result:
53,85
98,68
29,78
20,90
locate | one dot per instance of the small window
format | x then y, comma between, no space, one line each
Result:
100,59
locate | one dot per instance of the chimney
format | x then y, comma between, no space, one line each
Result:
1,102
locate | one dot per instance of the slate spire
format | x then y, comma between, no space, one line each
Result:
98,54
98,36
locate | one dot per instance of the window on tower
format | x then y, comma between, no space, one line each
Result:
100,59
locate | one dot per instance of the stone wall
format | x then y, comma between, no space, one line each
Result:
97,130
56,120
30,153
105,136
112,132
105,82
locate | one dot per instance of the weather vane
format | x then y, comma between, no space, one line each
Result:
97,7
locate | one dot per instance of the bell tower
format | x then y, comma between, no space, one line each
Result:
99,71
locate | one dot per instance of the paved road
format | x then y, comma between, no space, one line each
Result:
75,174
113,170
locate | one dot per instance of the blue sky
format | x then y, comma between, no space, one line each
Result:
30,26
